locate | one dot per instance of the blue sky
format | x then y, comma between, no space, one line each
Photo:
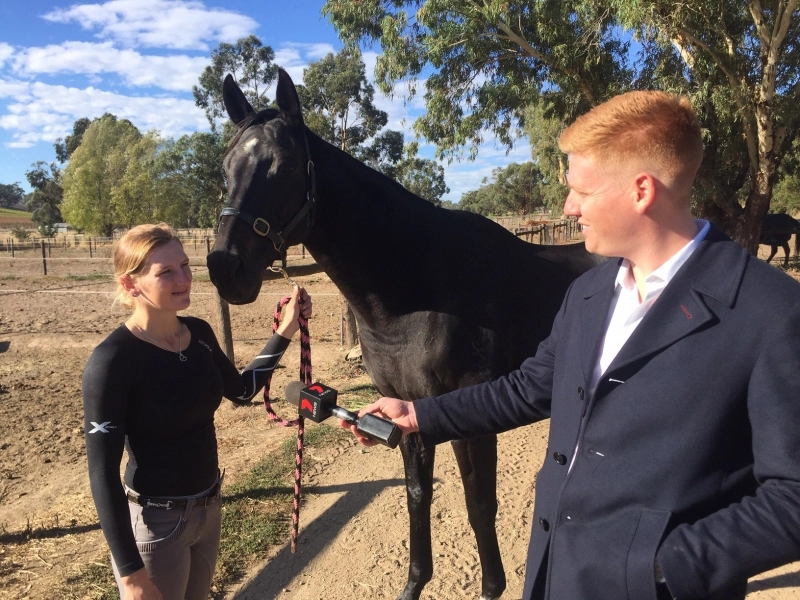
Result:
138,59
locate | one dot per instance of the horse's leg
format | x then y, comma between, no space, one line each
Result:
419,493
785,247
477,460
773,253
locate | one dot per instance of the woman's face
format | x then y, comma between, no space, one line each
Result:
166,280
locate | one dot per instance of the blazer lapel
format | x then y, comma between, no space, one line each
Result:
594,314
714,269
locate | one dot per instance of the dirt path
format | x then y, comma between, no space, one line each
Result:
354,521
354,537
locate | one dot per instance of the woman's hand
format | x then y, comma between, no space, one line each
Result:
400,412
299,304
139,586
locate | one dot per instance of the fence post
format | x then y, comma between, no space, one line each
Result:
44,259
223,316
12,247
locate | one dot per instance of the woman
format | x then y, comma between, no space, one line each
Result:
152,386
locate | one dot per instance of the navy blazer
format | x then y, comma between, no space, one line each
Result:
689,448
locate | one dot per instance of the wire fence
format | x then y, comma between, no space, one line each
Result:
80,255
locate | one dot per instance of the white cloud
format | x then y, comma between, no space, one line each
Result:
92,59
41,113
5,52
295,57
176,24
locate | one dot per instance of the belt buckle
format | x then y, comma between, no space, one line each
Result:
150,504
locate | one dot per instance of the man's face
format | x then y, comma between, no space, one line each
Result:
602,199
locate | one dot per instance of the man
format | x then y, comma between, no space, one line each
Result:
671,377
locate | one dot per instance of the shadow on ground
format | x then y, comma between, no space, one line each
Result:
314,538
786,580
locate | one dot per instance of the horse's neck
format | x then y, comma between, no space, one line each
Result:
363,232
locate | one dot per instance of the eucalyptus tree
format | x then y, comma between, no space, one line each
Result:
250,63
488,61
44,202
11,194
514,189
64,147
95,168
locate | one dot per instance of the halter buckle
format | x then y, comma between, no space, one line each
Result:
258,223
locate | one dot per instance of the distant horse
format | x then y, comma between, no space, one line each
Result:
444,299
777,230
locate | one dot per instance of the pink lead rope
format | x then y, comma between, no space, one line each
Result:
305,377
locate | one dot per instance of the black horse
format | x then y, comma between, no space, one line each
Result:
777,230
444,299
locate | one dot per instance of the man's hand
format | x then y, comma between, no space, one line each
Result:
400,412
139,586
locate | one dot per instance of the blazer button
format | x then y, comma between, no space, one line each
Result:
559,458
544,524
580,393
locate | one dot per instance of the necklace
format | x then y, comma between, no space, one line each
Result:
180,354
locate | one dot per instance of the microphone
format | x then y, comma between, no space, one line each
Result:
318,402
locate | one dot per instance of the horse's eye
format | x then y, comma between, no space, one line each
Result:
285,170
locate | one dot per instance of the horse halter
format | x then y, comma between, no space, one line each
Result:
262,227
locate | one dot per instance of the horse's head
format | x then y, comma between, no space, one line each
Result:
270,191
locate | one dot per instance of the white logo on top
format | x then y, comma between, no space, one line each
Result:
102,427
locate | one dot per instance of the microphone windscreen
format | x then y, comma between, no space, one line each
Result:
292,393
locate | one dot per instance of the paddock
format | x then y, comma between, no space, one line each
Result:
355,502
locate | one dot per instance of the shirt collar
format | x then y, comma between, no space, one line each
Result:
666,271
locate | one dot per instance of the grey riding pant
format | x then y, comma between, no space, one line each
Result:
179,547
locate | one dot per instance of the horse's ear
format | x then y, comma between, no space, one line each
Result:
235,103
287,98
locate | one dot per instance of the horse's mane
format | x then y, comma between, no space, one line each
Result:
261,116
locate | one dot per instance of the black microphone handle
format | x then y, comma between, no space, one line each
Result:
345,415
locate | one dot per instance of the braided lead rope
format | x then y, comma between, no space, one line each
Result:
299,422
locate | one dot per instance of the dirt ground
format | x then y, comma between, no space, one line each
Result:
354,524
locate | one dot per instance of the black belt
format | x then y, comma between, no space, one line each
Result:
174,502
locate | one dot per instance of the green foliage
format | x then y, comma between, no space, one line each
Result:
11,194
250,63
193,167
96,167
20,233
338,103
45,200
786,197
495,62
64,147
490,60
515,189
421,176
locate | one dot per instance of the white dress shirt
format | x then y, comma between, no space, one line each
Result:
627,311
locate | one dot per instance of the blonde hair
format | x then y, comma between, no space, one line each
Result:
133,249
653,127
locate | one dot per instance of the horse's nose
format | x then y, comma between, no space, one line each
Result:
227,274
221,265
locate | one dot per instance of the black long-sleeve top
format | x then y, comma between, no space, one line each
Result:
161,410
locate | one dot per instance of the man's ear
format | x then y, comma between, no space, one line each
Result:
644,190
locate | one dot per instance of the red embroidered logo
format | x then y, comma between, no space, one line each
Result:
306,405
686,312
316,388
